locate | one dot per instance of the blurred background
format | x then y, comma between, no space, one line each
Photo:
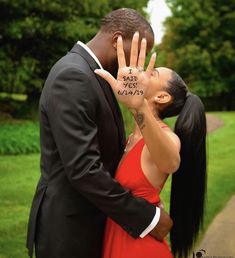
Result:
195,38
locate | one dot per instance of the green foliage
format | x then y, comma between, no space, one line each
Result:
200,44
19,137
14,96
34,34
22,136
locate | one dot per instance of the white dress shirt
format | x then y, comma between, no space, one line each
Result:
157,214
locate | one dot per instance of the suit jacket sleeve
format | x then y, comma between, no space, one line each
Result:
71,113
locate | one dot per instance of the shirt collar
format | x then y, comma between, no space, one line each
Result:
90,52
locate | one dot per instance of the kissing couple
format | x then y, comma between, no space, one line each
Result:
99,193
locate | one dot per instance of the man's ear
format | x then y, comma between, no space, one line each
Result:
162,97
115,36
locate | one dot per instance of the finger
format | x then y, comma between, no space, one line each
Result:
142,54
134,50
120,53
106,76
151,64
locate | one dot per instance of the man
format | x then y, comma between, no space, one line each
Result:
82,141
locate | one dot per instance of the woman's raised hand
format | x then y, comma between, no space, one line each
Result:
132,81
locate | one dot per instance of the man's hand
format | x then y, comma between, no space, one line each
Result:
163,226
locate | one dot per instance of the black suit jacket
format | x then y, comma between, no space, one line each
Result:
82,140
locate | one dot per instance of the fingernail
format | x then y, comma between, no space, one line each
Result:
136,33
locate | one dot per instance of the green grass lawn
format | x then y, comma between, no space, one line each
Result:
19,175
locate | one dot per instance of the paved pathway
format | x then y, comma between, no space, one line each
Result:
213,123
219,240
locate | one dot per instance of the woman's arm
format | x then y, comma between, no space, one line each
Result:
163,145
130,88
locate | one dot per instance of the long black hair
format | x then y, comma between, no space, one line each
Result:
188,187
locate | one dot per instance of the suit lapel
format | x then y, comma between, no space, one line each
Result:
107,92
115,109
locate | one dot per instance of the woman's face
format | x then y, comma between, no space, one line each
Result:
159,80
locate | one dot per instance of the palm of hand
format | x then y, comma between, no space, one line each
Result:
131,86
132,81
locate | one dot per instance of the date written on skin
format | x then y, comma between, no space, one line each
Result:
130,83
130,92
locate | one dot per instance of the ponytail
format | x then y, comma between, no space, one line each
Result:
189,182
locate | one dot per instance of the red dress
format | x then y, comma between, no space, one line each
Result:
117,242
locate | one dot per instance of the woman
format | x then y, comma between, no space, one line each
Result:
153,152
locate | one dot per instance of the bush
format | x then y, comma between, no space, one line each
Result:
22,136
35,34
19,137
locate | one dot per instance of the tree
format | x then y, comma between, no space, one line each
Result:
199,44
34,34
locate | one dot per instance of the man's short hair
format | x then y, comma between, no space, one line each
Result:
126,20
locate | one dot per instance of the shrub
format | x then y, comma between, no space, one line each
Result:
19,137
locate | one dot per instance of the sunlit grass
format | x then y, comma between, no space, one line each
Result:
19,175
13,96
